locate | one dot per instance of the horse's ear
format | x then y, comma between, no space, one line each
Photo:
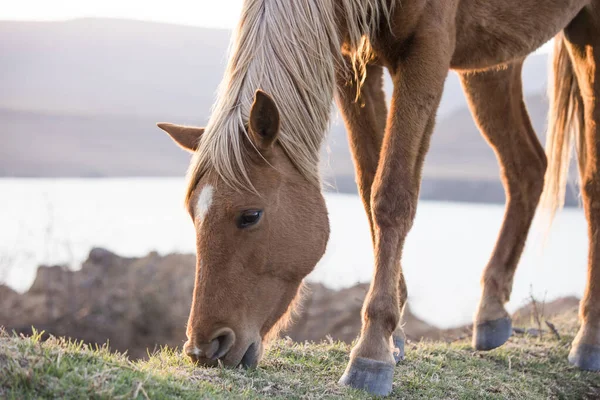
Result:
187,137
264,120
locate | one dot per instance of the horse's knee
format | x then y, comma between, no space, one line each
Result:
393,208
526,185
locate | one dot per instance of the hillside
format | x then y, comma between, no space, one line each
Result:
527,367
80,99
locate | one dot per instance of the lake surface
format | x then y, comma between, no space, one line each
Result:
44,221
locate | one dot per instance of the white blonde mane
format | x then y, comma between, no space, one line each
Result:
290,50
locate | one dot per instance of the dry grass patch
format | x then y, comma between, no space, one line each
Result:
527,367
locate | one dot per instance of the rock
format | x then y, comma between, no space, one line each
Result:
134,303
101,256
9,300
48,279
325,312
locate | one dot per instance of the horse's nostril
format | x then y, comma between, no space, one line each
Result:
225,339
210,349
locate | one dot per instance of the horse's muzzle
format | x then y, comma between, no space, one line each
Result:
225,349
209,352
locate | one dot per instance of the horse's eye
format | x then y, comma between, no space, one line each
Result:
249,218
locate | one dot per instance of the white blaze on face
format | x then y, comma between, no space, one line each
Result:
204,202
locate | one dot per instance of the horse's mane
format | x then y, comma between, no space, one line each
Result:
290,50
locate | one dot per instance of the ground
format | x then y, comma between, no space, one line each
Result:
527,367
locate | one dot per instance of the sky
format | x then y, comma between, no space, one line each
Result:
206,13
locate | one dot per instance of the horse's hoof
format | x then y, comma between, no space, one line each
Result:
491,334
585,356
372,376
398,349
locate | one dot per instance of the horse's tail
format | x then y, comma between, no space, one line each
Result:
565,127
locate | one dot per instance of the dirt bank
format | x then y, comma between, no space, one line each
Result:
141,303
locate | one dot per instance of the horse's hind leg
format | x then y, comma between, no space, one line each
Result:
496,102
365,120
583,41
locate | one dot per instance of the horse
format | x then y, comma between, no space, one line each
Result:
254,192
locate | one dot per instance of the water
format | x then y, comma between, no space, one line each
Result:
58,221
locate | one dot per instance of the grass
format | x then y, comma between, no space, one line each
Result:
525,368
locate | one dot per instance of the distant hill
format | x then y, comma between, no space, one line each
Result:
110,67
80,98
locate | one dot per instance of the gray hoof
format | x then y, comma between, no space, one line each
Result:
585,356
491,334
398,349
372,376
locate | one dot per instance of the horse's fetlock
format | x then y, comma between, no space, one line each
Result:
590,313
383,310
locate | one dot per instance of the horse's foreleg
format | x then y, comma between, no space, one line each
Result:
583,40
418,83
496,102
365,120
